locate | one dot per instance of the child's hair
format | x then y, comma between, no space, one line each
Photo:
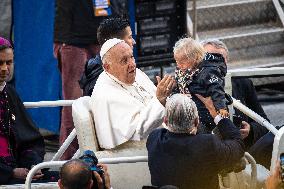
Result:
193,50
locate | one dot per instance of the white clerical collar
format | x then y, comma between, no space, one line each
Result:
2,86
117,80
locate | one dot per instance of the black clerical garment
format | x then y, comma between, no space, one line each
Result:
93,68
243,90
25,141
259,142
193,161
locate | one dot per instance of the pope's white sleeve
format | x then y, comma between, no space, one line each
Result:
150,118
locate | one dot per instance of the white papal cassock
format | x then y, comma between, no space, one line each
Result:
125,112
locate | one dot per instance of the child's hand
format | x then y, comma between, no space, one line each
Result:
224,113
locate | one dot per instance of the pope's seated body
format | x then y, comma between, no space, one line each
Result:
126,104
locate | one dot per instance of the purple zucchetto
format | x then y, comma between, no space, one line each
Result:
5,42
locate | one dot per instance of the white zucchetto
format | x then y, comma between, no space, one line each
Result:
108,45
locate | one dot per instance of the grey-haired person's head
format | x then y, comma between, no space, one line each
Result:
218,47
181,114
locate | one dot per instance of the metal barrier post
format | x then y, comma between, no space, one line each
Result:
65,145
194,19
48,103
228,90
252,162
254,116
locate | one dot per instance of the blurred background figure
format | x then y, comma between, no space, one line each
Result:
21,144
75,41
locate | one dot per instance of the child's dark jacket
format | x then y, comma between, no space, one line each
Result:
208,80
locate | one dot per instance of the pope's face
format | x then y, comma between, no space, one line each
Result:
6,64
121,63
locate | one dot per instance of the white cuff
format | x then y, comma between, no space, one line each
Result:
217,119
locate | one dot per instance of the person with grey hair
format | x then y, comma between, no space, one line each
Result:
258,142
216,46
126,104
179,157
181,115
202,73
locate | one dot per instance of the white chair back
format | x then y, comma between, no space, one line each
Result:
84,124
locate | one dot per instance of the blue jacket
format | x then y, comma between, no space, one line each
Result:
93,68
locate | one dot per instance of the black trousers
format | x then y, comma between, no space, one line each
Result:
262,150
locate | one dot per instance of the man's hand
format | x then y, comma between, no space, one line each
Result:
208,104
38,175
20,173
274,180
106,177
245,129
164,88
224,113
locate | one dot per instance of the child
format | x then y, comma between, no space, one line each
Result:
201,73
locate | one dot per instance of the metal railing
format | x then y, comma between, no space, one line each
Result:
256,72
236,104
56,164
254,116
192,23
279,10
57,103
65,145
41,104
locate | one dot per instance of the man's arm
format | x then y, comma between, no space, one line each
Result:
231,148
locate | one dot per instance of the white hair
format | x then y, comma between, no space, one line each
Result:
181,113
217,44
191,48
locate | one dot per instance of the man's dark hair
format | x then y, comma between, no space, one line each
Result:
111,28
75,174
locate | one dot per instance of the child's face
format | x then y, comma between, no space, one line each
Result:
183,62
